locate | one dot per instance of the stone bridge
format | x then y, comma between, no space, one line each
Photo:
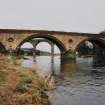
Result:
66,41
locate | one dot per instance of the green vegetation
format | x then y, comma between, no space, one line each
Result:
69,55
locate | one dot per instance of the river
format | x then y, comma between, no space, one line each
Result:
76,83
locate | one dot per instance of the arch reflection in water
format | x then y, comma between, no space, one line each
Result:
45,64
52,65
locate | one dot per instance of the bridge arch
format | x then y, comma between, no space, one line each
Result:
95,51
51,38
94,40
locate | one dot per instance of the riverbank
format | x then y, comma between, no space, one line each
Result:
19,85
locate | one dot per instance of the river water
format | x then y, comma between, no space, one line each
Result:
76,83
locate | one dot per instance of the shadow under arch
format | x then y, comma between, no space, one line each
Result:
94,40
53,39
2,48
98,51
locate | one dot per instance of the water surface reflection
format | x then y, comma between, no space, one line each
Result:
78,83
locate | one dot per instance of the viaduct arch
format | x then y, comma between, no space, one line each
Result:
66,41
52,39
97,41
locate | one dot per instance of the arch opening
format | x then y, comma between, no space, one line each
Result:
46,38
48,48
36,40
25,49
93,50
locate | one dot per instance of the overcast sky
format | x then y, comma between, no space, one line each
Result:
61,15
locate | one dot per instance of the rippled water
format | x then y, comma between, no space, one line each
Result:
75,83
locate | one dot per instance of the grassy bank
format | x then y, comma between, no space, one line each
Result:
20,86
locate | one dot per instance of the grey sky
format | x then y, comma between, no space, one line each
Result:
61,15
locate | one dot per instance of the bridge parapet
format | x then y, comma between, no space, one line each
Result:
66,41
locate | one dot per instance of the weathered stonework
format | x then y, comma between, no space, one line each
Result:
66,41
